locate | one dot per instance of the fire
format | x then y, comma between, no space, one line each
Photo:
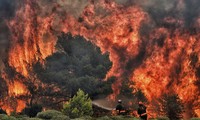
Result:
16,88
158,75
32,43
159,58
20,105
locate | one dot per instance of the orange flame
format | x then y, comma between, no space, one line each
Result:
20,105
16,88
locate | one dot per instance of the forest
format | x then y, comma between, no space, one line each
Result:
75,75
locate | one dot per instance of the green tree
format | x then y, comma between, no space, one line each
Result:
172,106
76,64
80,105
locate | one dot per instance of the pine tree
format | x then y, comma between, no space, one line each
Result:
80,105
172,106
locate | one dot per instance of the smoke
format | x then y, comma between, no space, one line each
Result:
186,10
156,4
7,8
7,11
191,12
71,7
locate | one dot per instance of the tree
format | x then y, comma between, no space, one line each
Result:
172,106
2,111
80,105
33,110
88,84
126,89
140,96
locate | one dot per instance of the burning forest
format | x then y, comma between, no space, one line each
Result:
152,44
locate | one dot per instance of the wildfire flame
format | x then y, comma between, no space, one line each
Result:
16,88
161,59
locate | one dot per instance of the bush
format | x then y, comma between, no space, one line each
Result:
122,118
162,118
104,118
84,118
21,117
80,105
30,119
5,117
49,114
117,117
134,119
195,119
60,117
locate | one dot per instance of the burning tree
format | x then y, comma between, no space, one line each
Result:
172,106
64,73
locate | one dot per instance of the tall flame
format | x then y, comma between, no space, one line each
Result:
16,88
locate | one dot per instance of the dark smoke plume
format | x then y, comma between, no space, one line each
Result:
188,10
7,11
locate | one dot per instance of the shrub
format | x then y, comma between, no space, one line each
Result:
195,119
84,118
80,105
104,118
60,117
31,119
123,118
5,117
87,118
162,118
21,117
134,119
117,117
49,114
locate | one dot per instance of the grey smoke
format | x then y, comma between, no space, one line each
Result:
187,10
191,13
72,7
7,11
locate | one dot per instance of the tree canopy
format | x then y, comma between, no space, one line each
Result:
80,105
